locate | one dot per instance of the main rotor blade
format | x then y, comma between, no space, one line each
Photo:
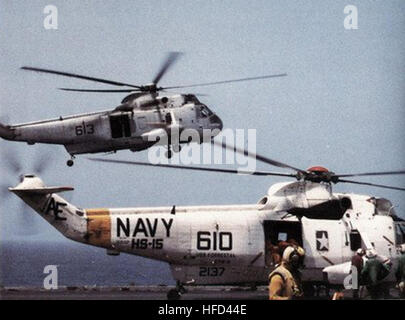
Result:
258,157
170,59
186,93
73,75
372,184
255,173
383,173
97,90
227,81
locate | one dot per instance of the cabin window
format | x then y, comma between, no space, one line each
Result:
282,236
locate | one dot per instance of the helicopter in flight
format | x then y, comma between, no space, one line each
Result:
144,118
228,244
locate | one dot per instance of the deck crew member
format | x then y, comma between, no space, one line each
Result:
373,272
285,280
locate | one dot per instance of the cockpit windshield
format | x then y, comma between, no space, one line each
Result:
191,98
205,112
384,207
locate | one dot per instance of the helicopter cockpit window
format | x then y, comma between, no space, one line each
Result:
384,207
205,112
191,98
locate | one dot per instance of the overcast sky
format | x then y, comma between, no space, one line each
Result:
341,105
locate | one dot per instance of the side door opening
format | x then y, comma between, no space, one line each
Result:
120,126
276,234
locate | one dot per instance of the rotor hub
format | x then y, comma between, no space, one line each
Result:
150,87
320,174
317,169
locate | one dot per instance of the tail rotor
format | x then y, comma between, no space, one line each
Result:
15,164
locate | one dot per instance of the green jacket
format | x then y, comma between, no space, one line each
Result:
374,271
400,273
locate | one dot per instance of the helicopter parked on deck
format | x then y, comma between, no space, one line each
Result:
228,244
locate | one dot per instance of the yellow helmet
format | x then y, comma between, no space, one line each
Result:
293,254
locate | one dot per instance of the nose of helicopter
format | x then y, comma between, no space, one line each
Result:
216,122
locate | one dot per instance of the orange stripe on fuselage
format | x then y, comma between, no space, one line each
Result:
99,227
98,211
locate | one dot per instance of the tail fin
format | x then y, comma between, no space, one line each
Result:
6,132
64,216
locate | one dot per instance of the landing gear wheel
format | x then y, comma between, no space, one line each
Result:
181,290
173,294
168,154
69,163
177,148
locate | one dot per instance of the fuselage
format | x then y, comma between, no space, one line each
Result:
128,126
225,244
